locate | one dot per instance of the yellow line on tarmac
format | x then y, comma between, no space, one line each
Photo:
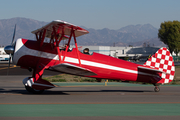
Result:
7,67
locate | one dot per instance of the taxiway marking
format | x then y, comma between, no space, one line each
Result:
7,67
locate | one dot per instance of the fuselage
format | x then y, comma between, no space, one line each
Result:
27,54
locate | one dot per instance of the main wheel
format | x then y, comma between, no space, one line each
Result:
34,91
156,89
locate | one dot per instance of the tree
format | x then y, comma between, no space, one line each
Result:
169,33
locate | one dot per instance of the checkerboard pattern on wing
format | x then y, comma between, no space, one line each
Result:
162,60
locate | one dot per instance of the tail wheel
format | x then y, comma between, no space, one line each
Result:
156,89
34,91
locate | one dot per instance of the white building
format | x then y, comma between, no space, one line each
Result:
3,55
132,53
128,53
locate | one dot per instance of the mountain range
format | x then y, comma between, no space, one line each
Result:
134,35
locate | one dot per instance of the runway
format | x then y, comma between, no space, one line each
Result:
72,101
79,101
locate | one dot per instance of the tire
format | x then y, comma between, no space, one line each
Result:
34,91
156,89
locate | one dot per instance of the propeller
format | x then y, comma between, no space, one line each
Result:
10,48
13,34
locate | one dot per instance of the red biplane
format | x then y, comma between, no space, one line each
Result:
40,55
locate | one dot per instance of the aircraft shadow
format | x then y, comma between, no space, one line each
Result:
24,92
52,92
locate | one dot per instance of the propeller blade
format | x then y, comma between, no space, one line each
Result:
13,34
10,49
9,64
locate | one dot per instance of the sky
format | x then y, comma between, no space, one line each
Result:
97,14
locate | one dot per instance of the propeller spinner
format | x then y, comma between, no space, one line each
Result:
9,49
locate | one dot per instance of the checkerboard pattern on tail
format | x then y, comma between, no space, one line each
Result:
162,60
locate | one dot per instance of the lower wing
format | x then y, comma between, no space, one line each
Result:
72,69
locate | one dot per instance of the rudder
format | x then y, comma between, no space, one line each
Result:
162,60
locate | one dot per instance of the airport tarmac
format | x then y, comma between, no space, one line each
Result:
79,101
86,101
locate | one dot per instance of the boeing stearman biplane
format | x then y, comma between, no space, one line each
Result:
40,55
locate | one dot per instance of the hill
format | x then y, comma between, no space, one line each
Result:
134,35
24,27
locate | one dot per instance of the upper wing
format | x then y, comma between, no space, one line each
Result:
60,26
72,69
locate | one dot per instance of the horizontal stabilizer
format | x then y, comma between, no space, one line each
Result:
153,74
72,69
149,70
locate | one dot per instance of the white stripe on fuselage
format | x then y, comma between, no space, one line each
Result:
23,50
100,65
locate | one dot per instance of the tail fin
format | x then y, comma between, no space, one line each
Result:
162,60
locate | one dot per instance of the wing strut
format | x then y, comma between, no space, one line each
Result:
72,34
58,41
76,48
57,31
41,37
67,45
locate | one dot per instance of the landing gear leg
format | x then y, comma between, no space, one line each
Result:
156,89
